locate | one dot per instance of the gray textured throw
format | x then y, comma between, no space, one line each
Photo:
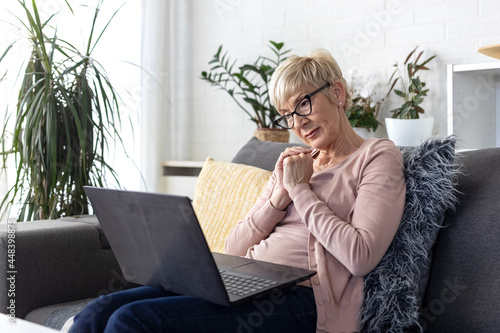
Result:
391,290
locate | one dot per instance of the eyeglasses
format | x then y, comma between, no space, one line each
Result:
303,108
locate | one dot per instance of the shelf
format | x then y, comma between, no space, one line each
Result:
182,168
486,66
179,177
474,104
491,50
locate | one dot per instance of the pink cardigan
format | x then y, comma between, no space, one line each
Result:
349,213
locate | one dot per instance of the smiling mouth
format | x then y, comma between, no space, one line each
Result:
312,133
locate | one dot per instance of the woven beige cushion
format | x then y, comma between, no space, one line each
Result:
223,195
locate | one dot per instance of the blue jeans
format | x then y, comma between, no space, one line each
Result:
147,309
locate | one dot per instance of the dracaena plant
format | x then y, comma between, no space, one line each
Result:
248,84
66,114
411,88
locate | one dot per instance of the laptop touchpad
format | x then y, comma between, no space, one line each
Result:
264,270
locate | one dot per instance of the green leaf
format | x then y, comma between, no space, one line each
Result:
97,11
217,54
277,46
7,50
418,101
400,93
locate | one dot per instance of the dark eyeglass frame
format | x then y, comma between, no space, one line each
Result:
290,115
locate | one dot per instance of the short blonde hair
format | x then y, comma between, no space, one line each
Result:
314,70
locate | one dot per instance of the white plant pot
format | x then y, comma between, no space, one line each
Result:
363,132
409,132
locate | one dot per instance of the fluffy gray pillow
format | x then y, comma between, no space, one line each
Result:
393,290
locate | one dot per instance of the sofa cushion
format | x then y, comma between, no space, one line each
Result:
391,302
261,154
90,220
224,193
464,288
55,316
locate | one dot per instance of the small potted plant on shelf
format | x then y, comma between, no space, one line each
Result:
248,87
406,128
366,102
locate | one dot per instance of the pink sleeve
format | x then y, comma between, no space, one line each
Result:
257,224
378,208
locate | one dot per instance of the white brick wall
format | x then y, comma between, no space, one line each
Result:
369,35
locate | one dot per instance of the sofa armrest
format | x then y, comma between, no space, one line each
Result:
56,261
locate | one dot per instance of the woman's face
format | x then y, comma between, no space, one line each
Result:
321,128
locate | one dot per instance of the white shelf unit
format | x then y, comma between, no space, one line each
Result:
179,177
474,104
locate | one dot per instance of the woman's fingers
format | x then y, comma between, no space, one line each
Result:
297,169
292,151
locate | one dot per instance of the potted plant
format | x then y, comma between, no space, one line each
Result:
366,102
248,87
67,112
406,128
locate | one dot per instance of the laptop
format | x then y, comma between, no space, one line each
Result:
158,241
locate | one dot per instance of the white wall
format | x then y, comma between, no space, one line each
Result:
369,35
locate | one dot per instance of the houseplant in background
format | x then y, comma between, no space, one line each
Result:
406,128
67,112
366,101
248,87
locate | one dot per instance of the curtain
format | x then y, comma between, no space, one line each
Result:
155,90
180,82
165,107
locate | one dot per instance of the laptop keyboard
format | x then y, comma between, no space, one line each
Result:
245,285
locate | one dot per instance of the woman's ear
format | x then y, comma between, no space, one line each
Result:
338,92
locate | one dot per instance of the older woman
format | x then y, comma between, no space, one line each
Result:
334,209
336,212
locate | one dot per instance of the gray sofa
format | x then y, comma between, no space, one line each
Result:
64,263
